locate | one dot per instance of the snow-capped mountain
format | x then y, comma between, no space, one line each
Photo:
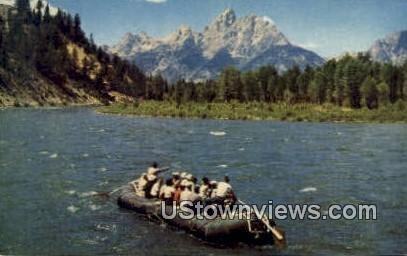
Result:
393,48
246,43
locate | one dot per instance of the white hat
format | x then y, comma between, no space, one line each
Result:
184,182
213,182
189,176
184,174
175,174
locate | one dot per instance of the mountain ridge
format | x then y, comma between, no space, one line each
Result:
247,42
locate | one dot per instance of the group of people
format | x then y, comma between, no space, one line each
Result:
182,186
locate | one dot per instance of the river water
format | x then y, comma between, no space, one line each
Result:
52,160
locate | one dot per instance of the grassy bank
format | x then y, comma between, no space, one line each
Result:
260,111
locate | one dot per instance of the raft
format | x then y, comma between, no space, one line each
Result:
217,230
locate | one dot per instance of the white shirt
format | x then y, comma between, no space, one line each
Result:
142,182
155,189
167,191
222,189
152,170
187,195
203,191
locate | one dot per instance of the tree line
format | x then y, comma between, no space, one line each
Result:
350,82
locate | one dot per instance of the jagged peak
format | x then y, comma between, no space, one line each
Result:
268,20
227,17
184,30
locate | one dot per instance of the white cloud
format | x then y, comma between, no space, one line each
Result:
156,1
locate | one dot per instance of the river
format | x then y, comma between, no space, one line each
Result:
52,160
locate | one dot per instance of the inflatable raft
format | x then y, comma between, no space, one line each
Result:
220,231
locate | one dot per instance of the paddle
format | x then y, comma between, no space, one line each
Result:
276,233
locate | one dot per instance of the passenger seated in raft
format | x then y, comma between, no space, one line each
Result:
224,190
177,193
140,184
176,178
188,194
155,190
167,192
221,193
212,188
223,187
204,189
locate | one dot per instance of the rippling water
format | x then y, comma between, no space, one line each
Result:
52,160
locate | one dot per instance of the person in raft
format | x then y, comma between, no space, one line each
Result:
143,185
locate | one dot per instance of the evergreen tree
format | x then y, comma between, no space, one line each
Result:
394,78
352,82
339,84
250,86
303,82
3,52
38,13
383,93
291,79
47,15
24,11
229,84
318,88
78,34
370,93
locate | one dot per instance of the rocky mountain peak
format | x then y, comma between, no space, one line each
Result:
226,18
392,48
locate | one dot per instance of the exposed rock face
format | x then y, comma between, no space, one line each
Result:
393,48
246,43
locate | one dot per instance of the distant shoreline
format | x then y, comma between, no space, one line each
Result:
258,111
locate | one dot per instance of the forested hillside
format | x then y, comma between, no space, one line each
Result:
47,60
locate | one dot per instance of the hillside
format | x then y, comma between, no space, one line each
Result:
46,59
247,43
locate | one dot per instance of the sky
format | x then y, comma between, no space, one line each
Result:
327,27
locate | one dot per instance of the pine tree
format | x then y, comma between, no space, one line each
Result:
352,83
38,13
3,52
24,11
317,88
303,82
339,84
78,34
370,93
291,78
393,77
250,86
228,84
47,15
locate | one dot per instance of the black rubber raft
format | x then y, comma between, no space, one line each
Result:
218,230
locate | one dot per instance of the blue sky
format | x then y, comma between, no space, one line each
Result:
328,27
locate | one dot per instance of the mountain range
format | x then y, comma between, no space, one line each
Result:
246,43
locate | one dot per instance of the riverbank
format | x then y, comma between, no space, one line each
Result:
259,111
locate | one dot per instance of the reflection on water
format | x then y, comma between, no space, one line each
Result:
52,162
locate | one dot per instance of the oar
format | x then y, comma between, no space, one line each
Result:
276,233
